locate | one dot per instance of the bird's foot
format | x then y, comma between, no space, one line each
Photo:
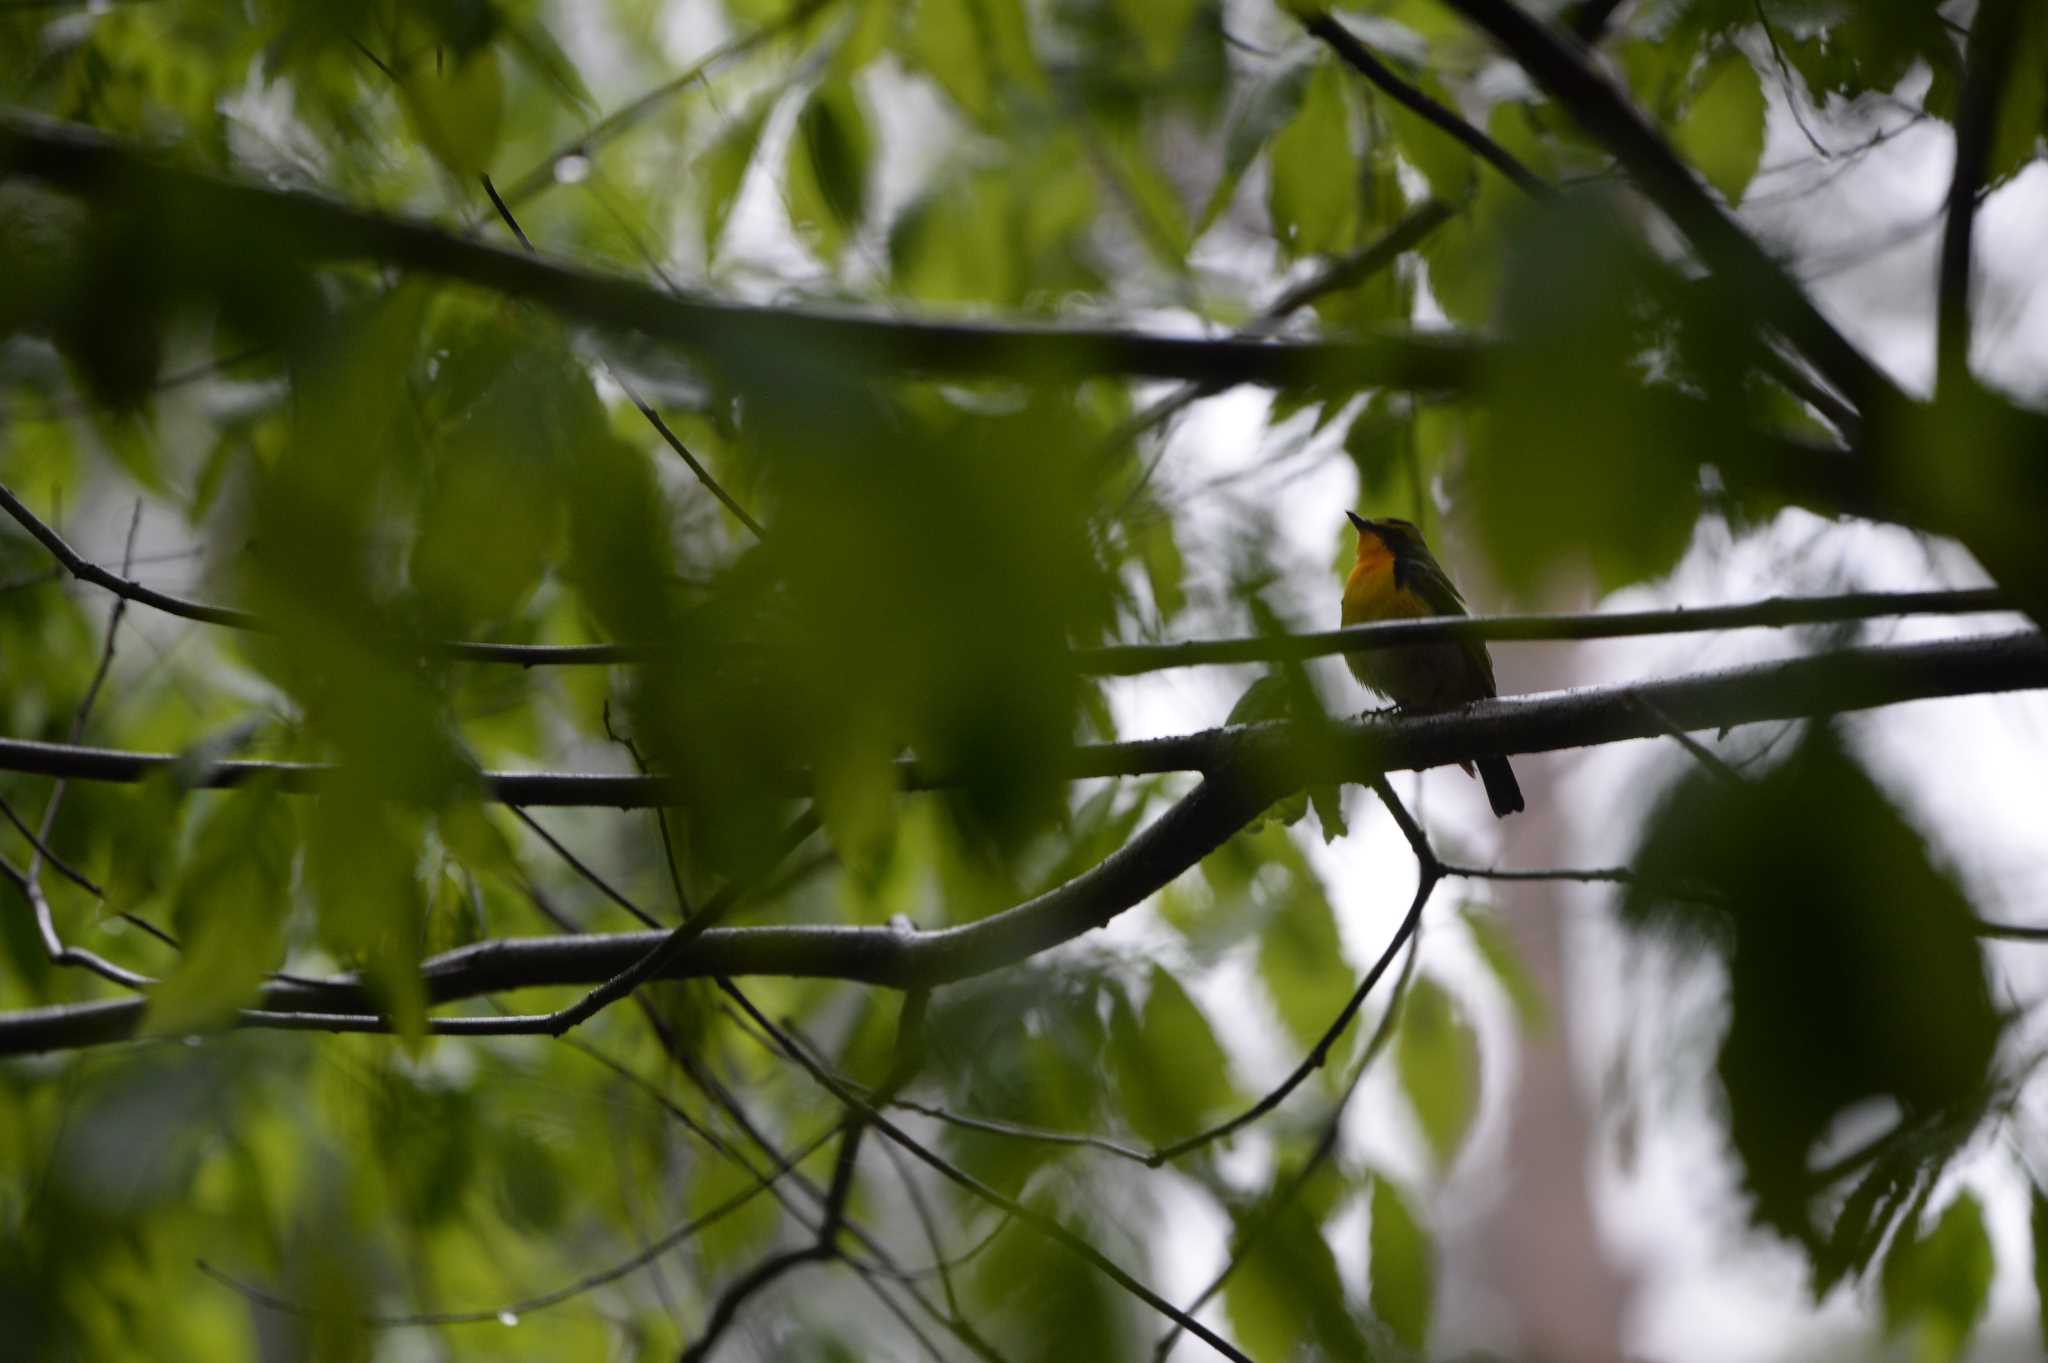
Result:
1380,712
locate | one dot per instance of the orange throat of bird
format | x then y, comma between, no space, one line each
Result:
1369,592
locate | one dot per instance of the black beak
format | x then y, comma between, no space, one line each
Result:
1361,522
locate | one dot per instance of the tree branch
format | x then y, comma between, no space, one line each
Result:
1127,659
1845,679
1248,767
318,228
1560,69
1360,58
1989,59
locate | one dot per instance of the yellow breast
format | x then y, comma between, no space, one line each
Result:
1370,593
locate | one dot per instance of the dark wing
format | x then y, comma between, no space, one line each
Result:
1420,574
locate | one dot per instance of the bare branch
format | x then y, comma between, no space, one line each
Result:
1249,767
1988,63
1845,679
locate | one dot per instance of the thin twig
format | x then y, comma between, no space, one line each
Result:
1712,761
1129,659
602,885
1360,58
645,408
1045,1225
1325,1145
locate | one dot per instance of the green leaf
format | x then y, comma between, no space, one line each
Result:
867,37
229,906
1436,1054
1722,131
2023,112
1286,1299
1301,961
1935,1285
1160,25
948,45
1266,108
1403,1267
722,169
829,156
457,104
1136,176
1171,1073
1313,194
1504,959
1854,972
856,790
1446,163
1576,463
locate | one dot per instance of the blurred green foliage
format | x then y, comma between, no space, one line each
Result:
376,461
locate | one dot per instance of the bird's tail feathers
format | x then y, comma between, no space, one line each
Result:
1502,790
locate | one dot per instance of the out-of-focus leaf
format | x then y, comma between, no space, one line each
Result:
829,155
951,49
1301,961
1286,1299
531,1186
855,794
1160,25
1264,109
1039,1303
954,244
1498,950
1871,47
537,48
1027,1048
229,907
1313,191
1446,163
1403,1267
867,37
722,169
1170,1071
1722,132
1576,462
2017,137
511,410
362,855
457,103
1154,202
1935,1285
1436,1054
1853,970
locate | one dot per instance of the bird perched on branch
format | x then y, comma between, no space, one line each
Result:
1396,578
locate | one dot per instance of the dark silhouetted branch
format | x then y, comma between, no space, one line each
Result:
1247,768
1989,57
1560,69
317,228
1360,58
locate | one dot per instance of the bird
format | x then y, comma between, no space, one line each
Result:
1395,577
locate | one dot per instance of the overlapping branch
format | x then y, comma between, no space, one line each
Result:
1118,660
317,228
1560,68
1245,769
